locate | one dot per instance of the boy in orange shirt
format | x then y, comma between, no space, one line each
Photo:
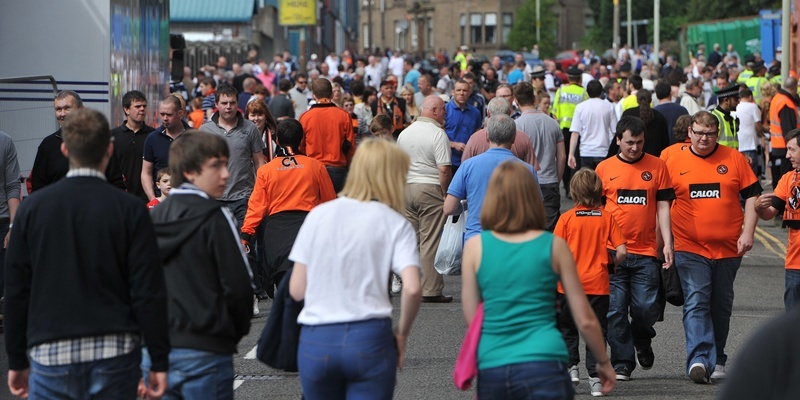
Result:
588,229
163,185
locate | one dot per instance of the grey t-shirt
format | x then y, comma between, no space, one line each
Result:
9,178
243,140
545,135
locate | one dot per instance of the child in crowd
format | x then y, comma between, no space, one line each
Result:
208,279
588,229
162,183
197,117
381,126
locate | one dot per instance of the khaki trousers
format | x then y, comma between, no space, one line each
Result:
424,210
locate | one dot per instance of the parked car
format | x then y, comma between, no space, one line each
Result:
568,58
506,56
532,59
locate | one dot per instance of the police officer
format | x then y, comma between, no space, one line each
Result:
564,102
728,124
755,82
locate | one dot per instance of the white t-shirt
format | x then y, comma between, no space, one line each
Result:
427,144
396,65
748,114
596,121
349,248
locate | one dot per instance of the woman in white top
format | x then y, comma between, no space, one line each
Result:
344,254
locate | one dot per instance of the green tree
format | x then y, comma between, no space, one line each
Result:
523,32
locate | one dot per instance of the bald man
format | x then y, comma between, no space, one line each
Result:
429,175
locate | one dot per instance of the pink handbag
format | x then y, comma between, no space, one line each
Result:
466,368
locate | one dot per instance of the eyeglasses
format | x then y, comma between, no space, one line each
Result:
706,134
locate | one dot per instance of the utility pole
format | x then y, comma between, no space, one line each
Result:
786,45
629,24
656,27
538,23
615,40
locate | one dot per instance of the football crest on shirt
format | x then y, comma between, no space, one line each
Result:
646,176
722,169
793,199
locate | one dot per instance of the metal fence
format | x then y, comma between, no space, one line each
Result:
199,54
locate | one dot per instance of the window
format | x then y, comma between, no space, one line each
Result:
463,24
508,22
491,28
431,44
476,28
400,31
365,32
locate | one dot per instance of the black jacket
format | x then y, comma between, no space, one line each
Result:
50,165
209,286
82,261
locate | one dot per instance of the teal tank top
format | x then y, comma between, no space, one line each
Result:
518,287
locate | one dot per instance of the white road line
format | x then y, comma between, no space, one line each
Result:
237,383
251,355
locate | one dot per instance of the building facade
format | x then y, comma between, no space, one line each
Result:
422,27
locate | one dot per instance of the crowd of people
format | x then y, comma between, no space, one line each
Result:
337,182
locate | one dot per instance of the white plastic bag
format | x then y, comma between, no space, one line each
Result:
451,246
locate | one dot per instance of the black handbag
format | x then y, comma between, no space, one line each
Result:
672,286
277,346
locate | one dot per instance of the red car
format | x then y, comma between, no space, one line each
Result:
568,58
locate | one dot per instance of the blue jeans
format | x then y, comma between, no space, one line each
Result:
792,294
352,360
708,301
634,288
195,374
238,208
590,162
545,380
112,378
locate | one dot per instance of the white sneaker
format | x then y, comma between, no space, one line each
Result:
719,372
697,373
574,375
397,284
255,305
596,387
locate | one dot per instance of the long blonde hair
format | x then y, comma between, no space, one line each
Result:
378,172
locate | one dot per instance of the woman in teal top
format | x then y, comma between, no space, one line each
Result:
514,267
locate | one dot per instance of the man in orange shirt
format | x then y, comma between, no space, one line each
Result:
711,235
638,191
329,136
786,201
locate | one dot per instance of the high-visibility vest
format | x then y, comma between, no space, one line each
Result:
776,80
744,76
775,132
728,129
754,83
629,102
566,99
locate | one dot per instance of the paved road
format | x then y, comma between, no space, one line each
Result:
439,328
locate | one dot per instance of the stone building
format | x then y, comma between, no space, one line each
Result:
424,26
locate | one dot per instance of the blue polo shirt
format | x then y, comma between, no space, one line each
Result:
412,77
460,125
156,149
472,179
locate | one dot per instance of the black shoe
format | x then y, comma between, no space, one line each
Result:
646,357
262,294
623,373
437,299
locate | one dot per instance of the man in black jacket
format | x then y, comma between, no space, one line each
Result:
209,283
50,165
84,285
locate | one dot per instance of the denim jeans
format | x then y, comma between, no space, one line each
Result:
590,162
195,374
543,380
634,289
238,208
338,177
566,324
352,360
551,197
792,294
708,301
112,378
